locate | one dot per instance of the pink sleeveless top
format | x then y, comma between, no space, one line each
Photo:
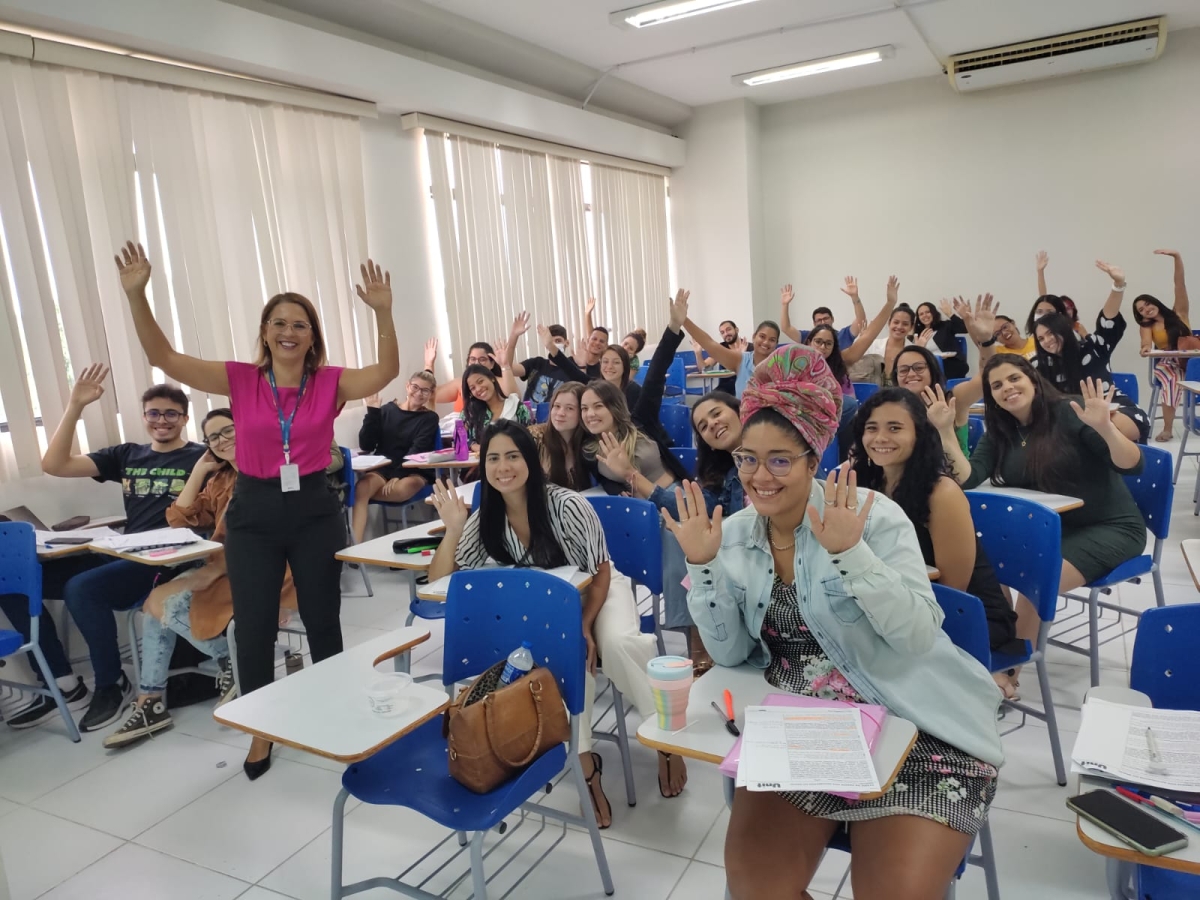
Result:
259,440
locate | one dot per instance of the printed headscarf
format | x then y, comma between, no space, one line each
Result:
796,382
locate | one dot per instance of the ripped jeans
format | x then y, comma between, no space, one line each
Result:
158,642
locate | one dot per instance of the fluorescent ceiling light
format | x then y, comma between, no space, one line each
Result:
815,66
669,11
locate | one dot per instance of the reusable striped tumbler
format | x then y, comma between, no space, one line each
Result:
671,683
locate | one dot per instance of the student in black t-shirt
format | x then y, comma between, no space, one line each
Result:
151,477
542,377
395,430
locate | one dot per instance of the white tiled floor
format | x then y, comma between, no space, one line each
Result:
175,817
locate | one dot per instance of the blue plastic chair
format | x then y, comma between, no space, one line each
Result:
404,506
488,613
829,459
863,390
21,573
349,479
1023,540
677,420
952,383
974,432
1127,384
1152,492
687,459
640,375
962,346
676,383
1188,416
633,532
542,413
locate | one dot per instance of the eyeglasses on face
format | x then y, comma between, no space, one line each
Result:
414,388
824,345
915,369
1004,330
225,434
747,463
284,325
167,415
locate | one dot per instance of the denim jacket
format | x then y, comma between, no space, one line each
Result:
731,499
870,608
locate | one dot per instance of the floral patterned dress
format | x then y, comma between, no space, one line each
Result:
936,782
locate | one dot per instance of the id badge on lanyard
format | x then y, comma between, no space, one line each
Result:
289,472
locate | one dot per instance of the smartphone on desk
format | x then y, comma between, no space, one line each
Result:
1140,829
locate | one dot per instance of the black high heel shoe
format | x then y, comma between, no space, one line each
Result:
254,770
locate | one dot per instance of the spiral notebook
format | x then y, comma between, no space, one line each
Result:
872,723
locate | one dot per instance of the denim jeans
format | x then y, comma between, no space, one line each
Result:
158,642
93,597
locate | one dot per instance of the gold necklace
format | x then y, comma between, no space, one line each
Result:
771,540
1022,436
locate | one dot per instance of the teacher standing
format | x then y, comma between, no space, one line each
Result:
283,511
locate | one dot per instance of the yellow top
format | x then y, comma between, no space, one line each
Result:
1028,350
1158,334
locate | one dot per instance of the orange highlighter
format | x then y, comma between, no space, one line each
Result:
729,709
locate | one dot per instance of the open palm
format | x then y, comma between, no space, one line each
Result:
699,536
133,268
89,386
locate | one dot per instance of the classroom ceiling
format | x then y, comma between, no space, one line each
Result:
657,74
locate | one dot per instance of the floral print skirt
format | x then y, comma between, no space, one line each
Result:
936,782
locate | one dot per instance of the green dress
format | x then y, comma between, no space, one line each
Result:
1108,529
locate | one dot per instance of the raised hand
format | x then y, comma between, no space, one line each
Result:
431,348
941,412
980,321
843,524
1043,260
590,306
699,536
451,508
373,401
1174,253
612,454
133,268
1114,272
679,309
786,294
946,308
893,289
520,325
89,385
500,354
547,339
741,345
923,339
376,289
1094,412
850,289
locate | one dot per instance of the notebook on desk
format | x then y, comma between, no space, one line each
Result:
1158,748
872,723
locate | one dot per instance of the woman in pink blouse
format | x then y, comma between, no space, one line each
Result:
284,511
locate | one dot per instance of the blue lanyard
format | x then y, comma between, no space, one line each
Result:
285,426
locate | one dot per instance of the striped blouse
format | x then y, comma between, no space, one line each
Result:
576,528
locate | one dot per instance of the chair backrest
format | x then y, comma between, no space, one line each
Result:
633,532
1023,539
1127,384
676,380
489,612
962,346
1192,372
974,432
952,383
475,496
20,571
348,477
965,622
677,420
640,375
829,459
687,459
864,389
542,413
1153,491
1165,663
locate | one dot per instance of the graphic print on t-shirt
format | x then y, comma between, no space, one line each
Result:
150,480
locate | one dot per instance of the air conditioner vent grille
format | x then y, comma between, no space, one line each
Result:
1060,46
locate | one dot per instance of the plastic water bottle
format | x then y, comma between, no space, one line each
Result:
520,661
462,447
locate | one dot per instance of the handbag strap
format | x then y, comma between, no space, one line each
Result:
535,691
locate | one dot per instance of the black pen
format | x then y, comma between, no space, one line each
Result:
729,723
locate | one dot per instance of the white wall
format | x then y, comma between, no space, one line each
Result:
955,194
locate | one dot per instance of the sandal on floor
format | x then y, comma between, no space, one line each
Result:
597,772
1164,436
661,789
699,667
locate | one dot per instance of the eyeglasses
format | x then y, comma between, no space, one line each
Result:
284,325
421,391
747,463
824,345
915,369
225,434
1004,330
167,415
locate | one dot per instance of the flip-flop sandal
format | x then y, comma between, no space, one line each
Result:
668,757
597,772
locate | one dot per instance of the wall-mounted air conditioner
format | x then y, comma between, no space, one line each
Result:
1065,54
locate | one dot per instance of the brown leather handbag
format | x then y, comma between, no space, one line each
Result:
496,731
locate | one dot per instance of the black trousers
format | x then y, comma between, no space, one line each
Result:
268,530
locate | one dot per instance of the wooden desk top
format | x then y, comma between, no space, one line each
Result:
322,709
45,553
178,556
1058,502
705,738
1180,354
710,373
1100,841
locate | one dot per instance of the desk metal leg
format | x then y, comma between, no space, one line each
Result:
1154,391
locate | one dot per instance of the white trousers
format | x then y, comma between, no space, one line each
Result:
624,652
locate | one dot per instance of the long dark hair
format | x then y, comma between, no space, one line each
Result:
1063,306
475,410
713,465
923,469
937,377
1053,461
543,550
487,348
1066,362
834,360
623,355
935,317
556,451
1171,321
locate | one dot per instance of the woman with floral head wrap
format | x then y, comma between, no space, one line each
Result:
824,587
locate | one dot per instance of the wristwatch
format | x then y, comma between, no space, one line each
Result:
988,343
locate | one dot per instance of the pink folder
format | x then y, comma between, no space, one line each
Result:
872,721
